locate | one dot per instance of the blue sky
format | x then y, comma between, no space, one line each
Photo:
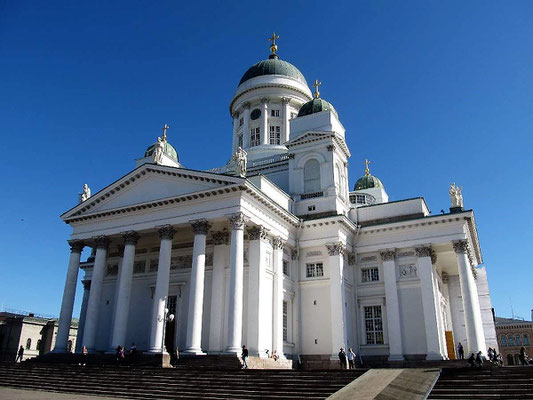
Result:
430,91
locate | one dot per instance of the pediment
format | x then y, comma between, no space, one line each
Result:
150,183
307,137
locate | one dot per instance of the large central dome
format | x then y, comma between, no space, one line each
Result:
273,66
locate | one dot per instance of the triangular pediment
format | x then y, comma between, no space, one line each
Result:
150,183
308,137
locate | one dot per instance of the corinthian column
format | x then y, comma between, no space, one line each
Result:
166,233
220,260
196,293
473,323
277,312
93,305
393,305
338,312
122,307
236,283
65,316
286,125
265,138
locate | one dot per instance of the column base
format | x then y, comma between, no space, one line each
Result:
155,351
193,352
233,350
434,357
396,357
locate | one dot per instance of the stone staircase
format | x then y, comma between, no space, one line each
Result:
484,383
184,382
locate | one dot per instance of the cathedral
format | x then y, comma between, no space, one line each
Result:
274,250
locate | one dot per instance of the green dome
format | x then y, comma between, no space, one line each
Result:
168,150
273,66
315,106
367,182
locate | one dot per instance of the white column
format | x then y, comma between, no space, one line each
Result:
166,233
220,260
256,292
246,126
83,313
193,343
297,306
235,132
473,322
338,317
393,305
426,274
93,305
286,125
236,283
122,306
277,307
65,316
265,133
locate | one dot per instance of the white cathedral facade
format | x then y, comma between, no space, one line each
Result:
273,250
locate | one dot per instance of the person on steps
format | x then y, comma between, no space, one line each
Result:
342,358
244,356
20,354
461,351
351,358
472,360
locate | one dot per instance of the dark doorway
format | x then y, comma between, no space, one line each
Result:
510,359
170,327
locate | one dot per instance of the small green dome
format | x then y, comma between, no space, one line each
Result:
273,66
316,106
367,182
168,150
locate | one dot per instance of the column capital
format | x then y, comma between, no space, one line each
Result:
76,246
388,254
220,237
351,259
461,246
285,100
246,105
257,232
264,100
335,249
238,220
130,237
433,256
423,251
167,232
330,147
200,226
102,242
278,243
294,254
86,284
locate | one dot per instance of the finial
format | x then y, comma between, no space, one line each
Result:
165,132
274,46
367,171
316,85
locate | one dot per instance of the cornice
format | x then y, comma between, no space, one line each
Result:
316,136
337,219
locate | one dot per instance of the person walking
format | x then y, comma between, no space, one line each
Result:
244,356
351,358
342,358
20,354
461,351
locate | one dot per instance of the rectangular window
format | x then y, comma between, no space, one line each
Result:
239,140
153,265
370,274
314,270
373,325
285,321
255,137
275,134
274,113
171,305
241,121
286,268
138,267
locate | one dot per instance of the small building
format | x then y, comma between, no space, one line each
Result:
37,335
512,334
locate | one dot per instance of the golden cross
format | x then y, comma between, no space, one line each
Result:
273,47
165,132
316,85
367,171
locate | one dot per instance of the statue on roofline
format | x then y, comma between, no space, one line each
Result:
240,162
456,195
86,193
158,151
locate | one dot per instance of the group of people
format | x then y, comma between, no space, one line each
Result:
347,356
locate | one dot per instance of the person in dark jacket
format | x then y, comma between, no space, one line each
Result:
20,354
244,356
342,358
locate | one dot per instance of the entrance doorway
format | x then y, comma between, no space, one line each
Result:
170,326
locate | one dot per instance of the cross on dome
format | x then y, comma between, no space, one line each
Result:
367,171
316,85
274,46
164,137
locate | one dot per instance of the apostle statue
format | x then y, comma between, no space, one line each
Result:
456,195
240,162
158,151
86,193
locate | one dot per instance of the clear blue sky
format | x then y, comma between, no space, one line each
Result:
430,91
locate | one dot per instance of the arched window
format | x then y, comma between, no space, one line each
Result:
511,340
510,359
518,339
311,176
28,344
503,340
38,347
526,340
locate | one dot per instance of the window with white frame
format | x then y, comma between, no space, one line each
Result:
312,176
274,113
286,268
314,270
285,321
255,137
275,134
373,325
28,344
370,274
239,140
